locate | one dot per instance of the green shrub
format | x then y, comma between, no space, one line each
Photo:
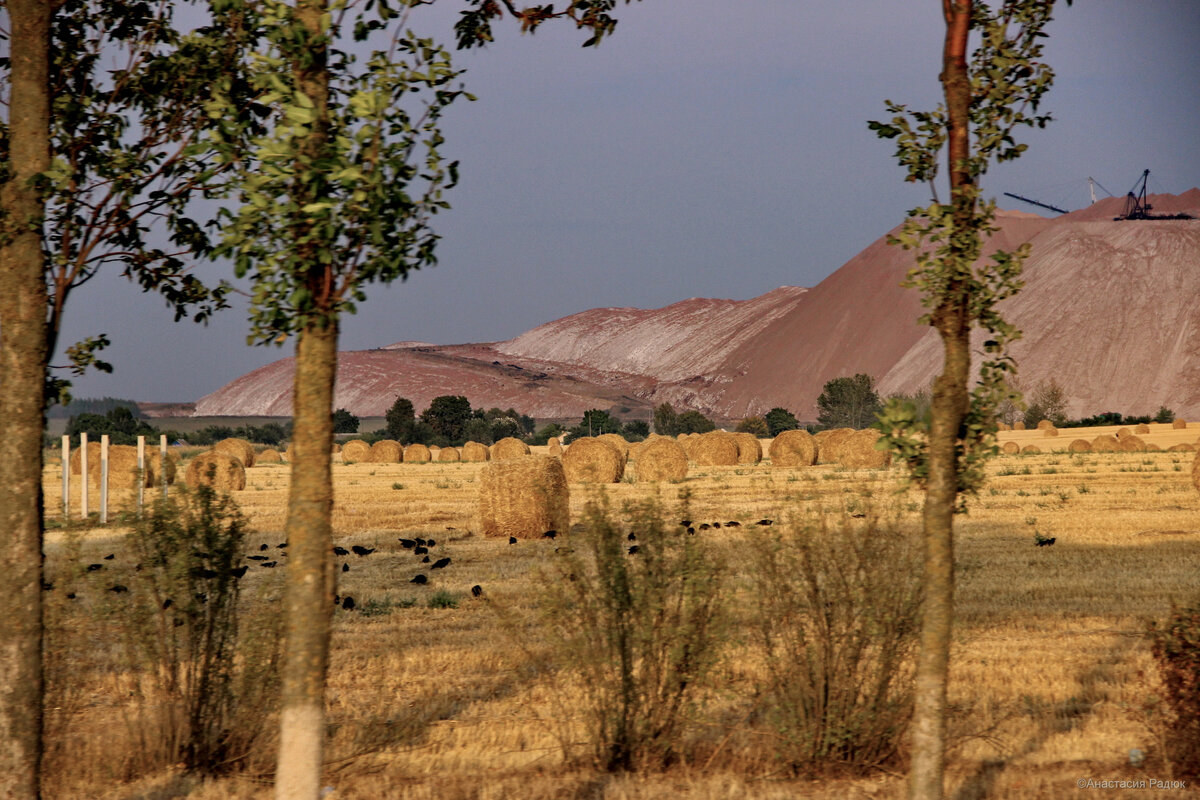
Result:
837,619
1175,646
442,599
640,630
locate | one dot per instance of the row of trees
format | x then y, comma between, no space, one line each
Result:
450,420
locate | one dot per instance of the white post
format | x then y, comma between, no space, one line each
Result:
83,487
162,452
141,472
66,466
104,479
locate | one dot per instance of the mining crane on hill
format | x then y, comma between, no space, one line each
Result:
1138,207
1037,203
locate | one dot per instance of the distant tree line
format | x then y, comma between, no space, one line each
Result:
91,405
451,421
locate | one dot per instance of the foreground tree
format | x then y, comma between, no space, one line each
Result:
986,99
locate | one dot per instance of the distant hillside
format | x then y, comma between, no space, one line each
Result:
1109,310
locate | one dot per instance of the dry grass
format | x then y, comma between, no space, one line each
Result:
1050,665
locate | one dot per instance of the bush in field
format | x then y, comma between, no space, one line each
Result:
837,620
640,630
754,425
344,422
206,684
1175,646
779,420
666,421
694,422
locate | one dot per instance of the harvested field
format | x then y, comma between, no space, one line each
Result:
1050,669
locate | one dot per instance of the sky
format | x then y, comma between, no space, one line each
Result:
710,148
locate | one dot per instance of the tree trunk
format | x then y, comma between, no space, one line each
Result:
949,407
23,361
310,579
309,596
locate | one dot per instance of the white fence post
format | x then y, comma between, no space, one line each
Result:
83,476
162,452
66,478
104,479
141,473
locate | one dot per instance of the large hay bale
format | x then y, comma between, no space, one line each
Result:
618,442
1003,426
715,449
508,447
1019,425
829,444
268,456
449,455
353,451
1031,450
1044,424
1105,444
1080,446
593,460
524,496
1151,447
793,449
749,448
154,459
1010,448
1133,444
1141,429
417,454
474,451
239,448
1123,432
1179,425
858,451
122,466
1182,447
220,470
1049,431
554,446
385,451
661,459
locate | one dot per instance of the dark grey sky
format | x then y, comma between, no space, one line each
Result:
712,148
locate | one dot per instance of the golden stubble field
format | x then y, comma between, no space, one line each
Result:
1050,679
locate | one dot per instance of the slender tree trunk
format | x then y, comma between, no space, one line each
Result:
949,407
23,360
310,579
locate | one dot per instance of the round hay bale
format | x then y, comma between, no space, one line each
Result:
1044,424
508,447
1133,444
1080,446
1105,444
288,452
240,448
1003,426
618,442
417,454
353,451
1049,431
474,451
1179,424
217,469
1141,429
524,496
268,456
1019,425
681,437
449,455
829,444
749,448
1123,432
793,449
1182,447
1010,448
554,446
857,451
122,466
593,460
385,451
1151,447
715,449
154,458
661,459
1030,450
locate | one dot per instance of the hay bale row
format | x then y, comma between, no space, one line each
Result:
417,454
385,451
1049,431
554,446
449,455
1179,425
353,451
218,469
1030,450
749,448
508,447
1010,448
793,449
1019,425
1182,447
1105,444
858,451
661,459
474,452
1142,429
268,456
524,497
618,442
1080,446
593,460
714,449
239,448
122,466
829,444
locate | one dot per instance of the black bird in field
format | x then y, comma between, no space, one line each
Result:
716,524
430,543
259,558
94,567
407,544
345,567
632,537
691,530
1046,542
512,540
70,595
340,551
425,560
269,564
348,603
263,546
281,545
704,526
441,562
420,551
167,603
118,588
633,551
687,523
764,522
733,524
203,573
110,556
238,572
477,591
359,550
550,534
421,542
419,578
